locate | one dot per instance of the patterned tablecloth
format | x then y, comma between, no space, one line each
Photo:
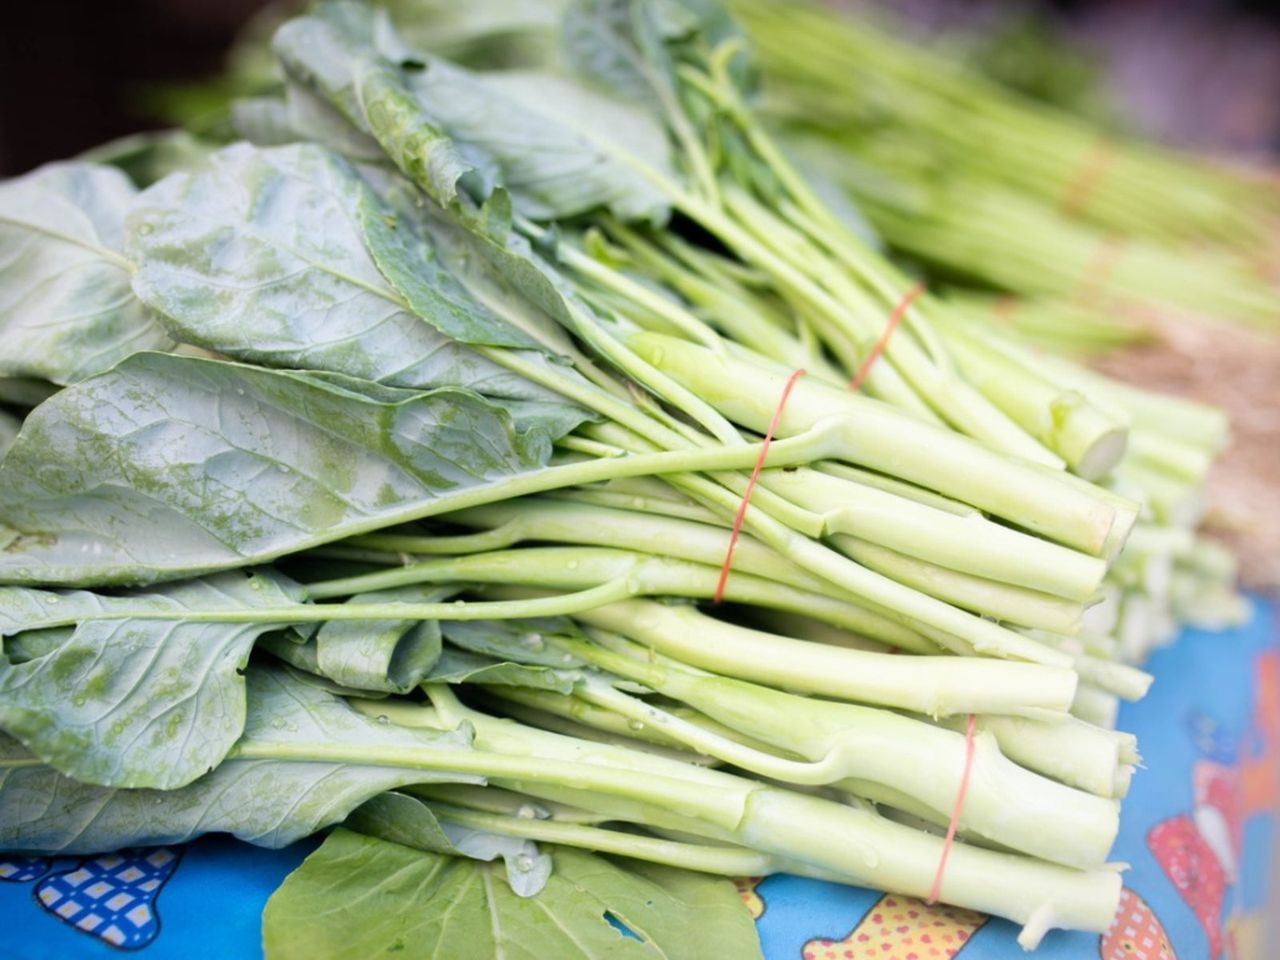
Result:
1197,830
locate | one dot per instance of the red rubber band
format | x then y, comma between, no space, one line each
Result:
899,311
751,484
955,813
1099,270
1080,188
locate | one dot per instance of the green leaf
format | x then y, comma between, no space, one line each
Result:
66,309
501,269
261,256
361,897
522,641
169,466
133,703
635,47
409,821
512,653
562,149
379,656
459,666
513,128
333,53
431,291
270,802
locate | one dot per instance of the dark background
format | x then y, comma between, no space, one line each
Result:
75,73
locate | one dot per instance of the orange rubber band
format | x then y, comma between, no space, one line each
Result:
751,485
955,812
895,318
1080,188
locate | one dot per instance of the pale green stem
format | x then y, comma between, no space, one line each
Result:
933,686
727,861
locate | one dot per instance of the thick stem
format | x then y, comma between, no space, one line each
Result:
1008,604
1005,804
934,686
966,542
885,440
853,843
727,861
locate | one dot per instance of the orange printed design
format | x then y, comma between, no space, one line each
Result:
1136,933
902,928
750,899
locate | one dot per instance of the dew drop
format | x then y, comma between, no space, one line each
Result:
531,811
533,641
383,719
635,724
78,701
524,863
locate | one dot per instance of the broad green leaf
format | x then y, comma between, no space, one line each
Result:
513,128
562,149
169,466
270,802
133,703
500,268
411,822
66,308
635,47
361,897
410,263
9,427
333,53
261,256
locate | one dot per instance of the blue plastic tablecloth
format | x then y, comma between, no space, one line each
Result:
1197,829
